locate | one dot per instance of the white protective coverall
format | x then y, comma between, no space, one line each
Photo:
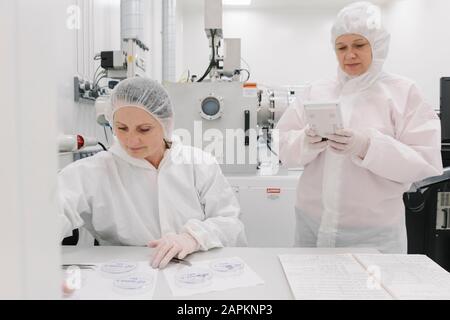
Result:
123,200
346,201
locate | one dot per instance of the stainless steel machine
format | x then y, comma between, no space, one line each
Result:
218,117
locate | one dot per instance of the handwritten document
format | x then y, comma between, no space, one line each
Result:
365,276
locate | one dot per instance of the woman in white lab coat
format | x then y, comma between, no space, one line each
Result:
350,193
148,189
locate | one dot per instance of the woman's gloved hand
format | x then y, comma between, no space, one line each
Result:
172,245
313,141
66,289
348,141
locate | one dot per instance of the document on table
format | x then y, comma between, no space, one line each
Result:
365,276
409,276
210,275
116,280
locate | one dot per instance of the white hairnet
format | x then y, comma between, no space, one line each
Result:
145,94
363,18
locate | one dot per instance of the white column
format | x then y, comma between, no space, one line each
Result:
156,51
169,40
29,236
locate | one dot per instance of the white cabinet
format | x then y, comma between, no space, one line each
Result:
267,208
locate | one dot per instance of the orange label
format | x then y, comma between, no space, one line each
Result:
273,190
250,85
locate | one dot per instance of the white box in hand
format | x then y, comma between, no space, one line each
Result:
324,117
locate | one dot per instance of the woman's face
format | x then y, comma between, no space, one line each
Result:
354,54
139,133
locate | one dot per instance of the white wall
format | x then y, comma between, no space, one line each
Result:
420,46
290,44
277,44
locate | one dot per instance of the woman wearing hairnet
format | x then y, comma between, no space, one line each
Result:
148,189
350,192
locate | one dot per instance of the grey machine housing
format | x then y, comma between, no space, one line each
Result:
225,106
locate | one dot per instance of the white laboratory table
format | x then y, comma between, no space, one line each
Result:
264,261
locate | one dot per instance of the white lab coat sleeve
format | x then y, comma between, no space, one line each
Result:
415,152
221,226
73,198
293,151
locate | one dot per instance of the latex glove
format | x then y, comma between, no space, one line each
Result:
171,245
71,280
67,289
348,141
314,141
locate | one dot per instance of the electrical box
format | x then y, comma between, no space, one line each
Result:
443,211
232,56
112,59
427,218
115,64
